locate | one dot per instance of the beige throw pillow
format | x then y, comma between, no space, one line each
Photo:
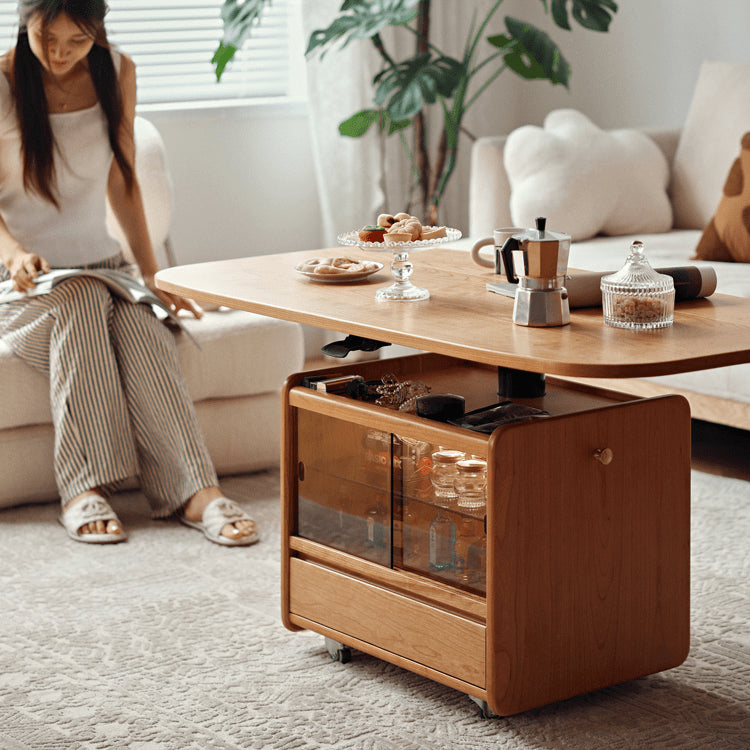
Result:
718,116
727,236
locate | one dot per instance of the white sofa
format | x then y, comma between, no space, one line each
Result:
699,157
234,378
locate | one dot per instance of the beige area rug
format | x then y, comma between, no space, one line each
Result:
168,642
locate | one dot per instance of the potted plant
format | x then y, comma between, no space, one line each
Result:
404,90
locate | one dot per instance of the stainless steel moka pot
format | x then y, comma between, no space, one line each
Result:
537,260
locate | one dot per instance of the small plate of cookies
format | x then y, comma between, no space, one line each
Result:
336,270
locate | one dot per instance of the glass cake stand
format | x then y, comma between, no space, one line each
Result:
402,288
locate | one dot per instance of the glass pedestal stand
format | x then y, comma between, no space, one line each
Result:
402,288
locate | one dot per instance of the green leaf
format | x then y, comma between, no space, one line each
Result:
224,53
594,14
362,19
321,37
591,14
530,53
405,88
394,126
560,14
359,123
239,17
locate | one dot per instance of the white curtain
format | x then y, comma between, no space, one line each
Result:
358,178
347,169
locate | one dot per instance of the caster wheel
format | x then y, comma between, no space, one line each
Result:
484,707
338,651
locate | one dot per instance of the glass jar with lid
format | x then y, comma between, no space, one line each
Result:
637,296
471,484
443,475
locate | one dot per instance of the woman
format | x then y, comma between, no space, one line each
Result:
119,401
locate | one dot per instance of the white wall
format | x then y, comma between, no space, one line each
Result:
245,182
643,71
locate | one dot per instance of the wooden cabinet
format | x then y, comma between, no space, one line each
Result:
575,576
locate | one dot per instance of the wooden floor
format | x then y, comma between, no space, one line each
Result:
721,450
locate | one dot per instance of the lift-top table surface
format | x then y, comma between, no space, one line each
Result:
462,319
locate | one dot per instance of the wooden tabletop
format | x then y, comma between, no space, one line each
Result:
462,319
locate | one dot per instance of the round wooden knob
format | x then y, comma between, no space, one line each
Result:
604,455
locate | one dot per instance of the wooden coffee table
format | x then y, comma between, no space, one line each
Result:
462,319
586,528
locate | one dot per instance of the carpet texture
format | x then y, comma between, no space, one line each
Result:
168,642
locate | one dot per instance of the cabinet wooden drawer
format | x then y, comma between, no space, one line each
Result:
403,626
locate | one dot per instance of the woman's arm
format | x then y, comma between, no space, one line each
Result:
128,205
22,265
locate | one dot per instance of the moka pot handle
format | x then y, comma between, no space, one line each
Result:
506,251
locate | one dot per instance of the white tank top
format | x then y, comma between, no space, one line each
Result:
76,234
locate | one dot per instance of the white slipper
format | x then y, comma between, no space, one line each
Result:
89,509
217,514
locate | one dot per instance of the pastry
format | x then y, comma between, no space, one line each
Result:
336,266
397,237
386,220
371,234
432,233
410,225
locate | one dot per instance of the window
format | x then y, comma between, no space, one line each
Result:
172,43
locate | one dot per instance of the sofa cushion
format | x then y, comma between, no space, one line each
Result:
586,180
718,116
240,354
663,251
727,236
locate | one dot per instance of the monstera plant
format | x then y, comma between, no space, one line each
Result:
405,90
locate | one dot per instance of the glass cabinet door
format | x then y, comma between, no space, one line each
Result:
439,512
391,499
344,486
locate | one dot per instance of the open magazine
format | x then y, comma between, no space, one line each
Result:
121,283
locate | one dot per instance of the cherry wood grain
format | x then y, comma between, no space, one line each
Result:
415,585
589,561
440,640
400,661
462,319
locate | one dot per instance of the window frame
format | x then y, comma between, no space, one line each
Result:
229,92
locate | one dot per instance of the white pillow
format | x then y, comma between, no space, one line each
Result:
586,180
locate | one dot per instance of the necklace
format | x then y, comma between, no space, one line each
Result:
61,99
71,95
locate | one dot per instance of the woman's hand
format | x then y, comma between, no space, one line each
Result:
173,301
24,268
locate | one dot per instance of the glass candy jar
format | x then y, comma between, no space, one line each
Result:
637,296
443,475
471,484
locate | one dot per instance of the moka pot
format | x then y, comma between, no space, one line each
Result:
537,260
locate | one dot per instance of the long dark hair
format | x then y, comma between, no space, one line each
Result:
31,103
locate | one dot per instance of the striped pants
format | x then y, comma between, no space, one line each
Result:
119,401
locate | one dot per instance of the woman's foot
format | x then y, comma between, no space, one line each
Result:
88,517
237,531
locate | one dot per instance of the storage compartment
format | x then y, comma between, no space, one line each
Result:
372,494
570,574
429,635
344,486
